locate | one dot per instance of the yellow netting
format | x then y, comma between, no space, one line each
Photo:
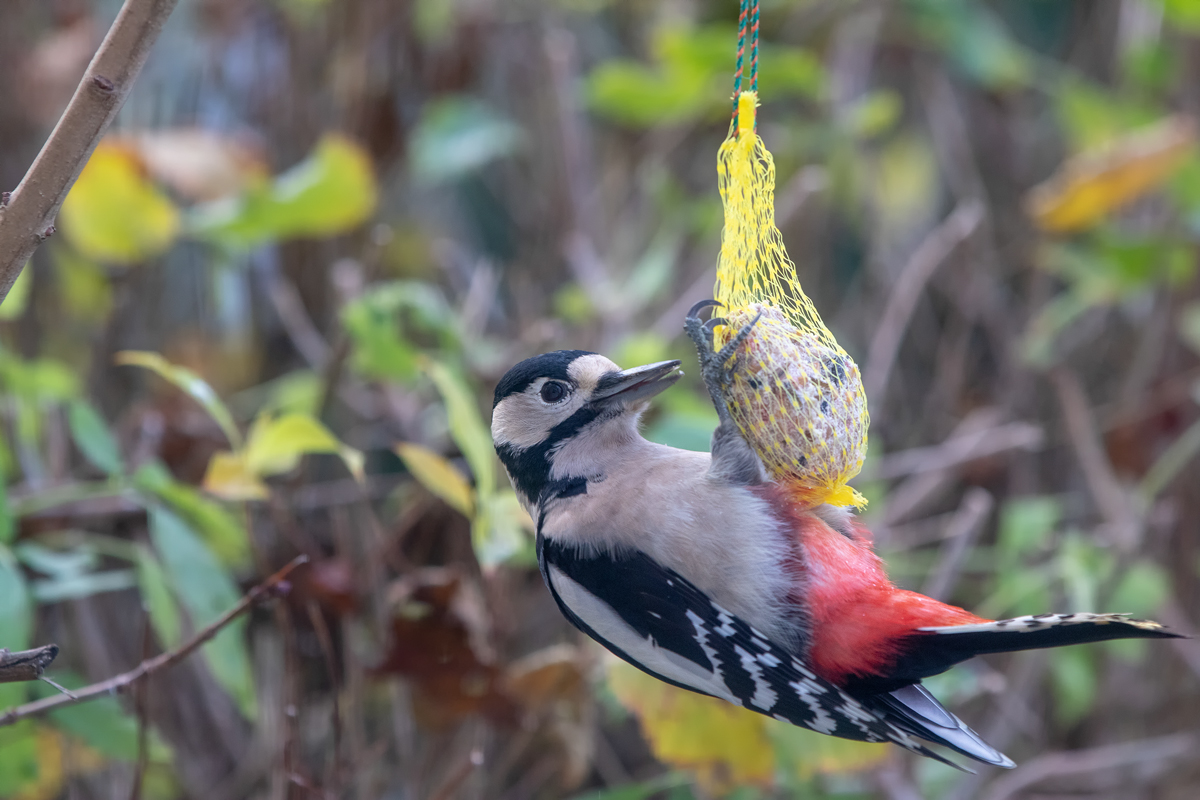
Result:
796,395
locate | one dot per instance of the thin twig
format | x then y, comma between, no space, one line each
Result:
1096,759
957,450
925,260
139,703
123,681
325,640
1108,493
25,665
964,529
28,218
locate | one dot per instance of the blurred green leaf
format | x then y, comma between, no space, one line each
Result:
1018,591
1026,525
691,77
8,527
81,585
206,590
1171,463
1183,14
192,385
1083,567
331,192
379,320
875,113
84,284
458,135
1142,590
904,184
975,40
101,723
18,757
222,530
439,476
92,437
467,429
298,391
38,379
639,348
642,790
48,561
433,20
687,421
1093,116
685,430
1150,67
16,611
114,213
651,275
573,305
500,530
158,600
1073,673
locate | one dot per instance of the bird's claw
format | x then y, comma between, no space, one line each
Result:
717,376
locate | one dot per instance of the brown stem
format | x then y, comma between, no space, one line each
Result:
167,659
26,665
27,218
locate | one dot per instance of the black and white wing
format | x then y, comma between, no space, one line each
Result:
662,624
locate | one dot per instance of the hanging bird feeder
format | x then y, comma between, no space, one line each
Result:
795,395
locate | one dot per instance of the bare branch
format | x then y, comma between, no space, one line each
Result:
1110,496
25,665
1096,759
27,219
964,529
937,246
260,592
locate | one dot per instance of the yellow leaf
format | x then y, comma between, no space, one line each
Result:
275,444
59,757
229,478
114,213
726,745
438,476
1095,182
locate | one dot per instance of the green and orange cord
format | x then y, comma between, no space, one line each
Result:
796,395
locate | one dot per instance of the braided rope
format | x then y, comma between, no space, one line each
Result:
747,22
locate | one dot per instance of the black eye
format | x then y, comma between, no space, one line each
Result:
553,391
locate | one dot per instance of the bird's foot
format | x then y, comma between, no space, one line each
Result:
714,365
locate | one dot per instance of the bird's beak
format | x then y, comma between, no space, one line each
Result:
639,383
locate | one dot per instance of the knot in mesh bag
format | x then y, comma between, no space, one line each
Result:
796,396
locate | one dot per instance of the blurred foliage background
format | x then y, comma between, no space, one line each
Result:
284,287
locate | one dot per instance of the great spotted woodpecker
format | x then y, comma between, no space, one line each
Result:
699,571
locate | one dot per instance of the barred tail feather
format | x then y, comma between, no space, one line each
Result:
1042,630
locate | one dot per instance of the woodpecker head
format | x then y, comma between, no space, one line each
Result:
555,414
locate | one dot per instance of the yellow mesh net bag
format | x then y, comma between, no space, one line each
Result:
795,395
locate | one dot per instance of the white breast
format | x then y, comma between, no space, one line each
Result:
661,501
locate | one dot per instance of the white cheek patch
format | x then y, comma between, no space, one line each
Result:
523,420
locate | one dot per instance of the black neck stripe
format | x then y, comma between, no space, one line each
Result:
529,468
